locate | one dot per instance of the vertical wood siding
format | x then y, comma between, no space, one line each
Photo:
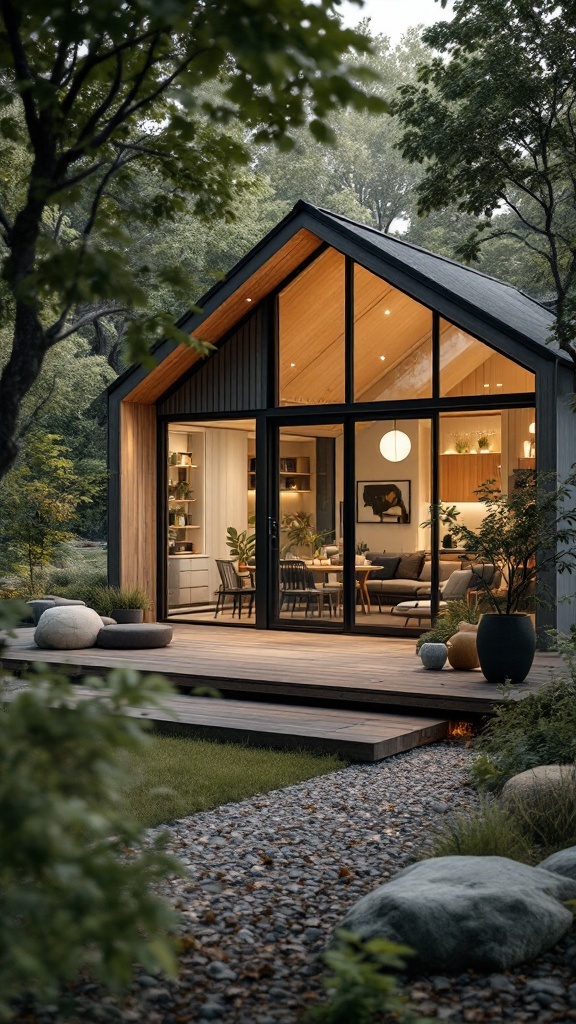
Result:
230,380
138,518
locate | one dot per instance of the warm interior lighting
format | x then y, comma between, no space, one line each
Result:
292,365
498,385
532,428
395,445
386,312
382,358
486,385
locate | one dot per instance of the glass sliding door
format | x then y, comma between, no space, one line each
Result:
393,568
211,482
308,550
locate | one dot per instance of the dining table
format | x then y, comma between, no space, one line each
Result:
362,573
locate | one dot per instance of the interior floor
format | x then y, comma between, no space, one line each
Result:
206,614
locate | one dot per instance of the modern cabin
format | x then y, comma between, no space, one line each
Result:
355,381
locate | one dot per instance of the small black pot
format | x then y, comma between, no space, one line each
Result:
124,615
506,647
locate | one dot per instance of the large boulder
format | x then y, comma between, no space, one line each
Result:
544,787
562,863
486,913
68,628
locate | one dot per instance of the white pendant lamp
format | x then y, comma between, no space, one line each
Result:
395,445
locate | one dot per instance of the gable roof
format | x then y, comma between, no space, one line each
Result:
478,303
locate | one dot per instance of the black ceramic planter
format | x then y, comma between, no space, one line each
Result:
506,646
124,615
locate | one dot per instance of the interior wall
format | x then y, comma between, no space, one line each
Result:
138,518
225,493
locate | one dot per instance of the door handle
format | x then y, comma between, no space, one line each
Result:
272,528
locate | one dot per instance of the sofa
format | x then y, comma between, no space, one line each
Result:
403,576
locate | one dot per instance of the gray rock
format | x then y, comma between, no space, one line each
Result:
220,971
562,863
486,913
68,628
540,786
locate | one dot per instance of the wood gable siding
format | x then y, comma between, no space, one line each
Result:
138,509
232,379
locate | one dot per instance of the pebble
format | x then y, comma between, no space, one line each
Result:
272,876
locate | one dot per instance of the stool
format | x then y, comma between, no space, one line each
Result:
134,636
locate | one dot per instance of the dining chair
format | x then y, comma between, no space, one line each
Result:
297,585
232,586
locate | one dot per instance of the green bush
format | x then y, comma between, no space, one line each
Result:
361,988
104,599
448,623
74,881
547,815
489,831
539,729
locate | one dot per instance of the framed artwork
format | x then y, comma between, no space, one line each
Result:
383,501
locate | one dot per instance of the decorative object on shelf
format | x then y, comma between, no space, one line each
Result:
241,543
447,540
462,650
177,516
173,459
287,465
385,501
361,547
181,489
483,442
461,441
395,445
527,535
433,656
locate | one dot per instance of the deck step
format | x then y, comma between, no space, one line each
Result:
354,735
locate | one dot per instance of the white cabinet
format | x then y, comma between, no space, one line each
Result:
187,580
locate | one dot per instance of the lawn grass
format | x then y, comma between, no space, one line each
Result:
176,776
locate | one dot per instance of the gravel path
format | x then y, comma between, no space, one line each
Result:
270,878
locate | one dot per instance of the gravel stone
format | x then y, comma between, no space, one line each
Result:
333,839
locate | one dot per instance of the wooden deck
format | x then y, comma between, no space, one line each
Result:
377,673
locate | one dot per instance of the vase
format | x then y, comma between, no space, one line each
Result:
433,656
506,647
463,652
360,560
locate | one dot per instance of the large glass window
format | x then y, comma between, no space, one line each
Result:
467,367
211,488
392,342
311,334
393,494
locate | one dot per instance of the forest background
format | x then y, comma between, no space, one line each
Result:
361,173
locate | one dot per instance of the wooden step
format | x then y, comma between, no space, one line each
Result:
354,735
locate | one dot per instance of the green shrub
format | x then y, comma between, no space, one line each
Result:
448,623
489,831
540,729
104,598
74,881
547,815
361,988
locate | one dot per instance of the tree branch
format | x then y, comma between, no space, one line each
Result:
6,227
82,321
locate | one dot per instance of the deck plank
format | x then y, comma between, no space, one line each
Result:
301,666
355,735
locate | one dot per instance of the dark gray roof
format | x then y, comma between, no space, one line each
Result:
514,310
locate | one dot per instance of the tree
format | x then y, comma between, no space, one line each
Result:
493,120
169,86
38,503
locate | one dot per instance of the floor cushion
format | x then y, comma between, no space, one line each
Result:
135,636
67,628
38,606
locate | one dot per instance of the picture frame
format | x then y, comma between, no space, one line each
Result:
383,502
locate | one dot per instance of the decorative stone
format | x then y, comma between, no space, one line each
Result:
68,628
484,913
135,636
543,786
38,606
433,656
562,863
107,621
64,601
462,652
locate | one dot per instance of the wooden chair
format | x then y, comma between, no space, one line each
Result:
232,586
297,584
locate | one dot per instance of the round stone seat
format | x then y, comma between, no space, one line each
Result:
67,628
134,636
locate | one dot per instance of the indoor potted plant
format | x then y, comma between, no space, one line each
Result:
242,544
525,535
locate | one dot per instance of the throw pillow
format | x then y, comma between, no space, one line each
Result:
410,566
388,565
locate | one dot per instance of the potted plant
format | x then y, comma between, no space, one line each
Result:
242,544
526,535
300,533
361,548
125,604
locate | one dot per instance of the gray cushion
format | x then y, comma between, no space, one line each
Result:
396,588
38,606
389,564
371,556
134,636
445,570
63,601
410,566
457,585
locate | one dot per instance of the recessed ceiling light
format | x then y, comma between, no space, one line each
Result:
486,385
386,312
248,300
498,385
382,358
292,364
